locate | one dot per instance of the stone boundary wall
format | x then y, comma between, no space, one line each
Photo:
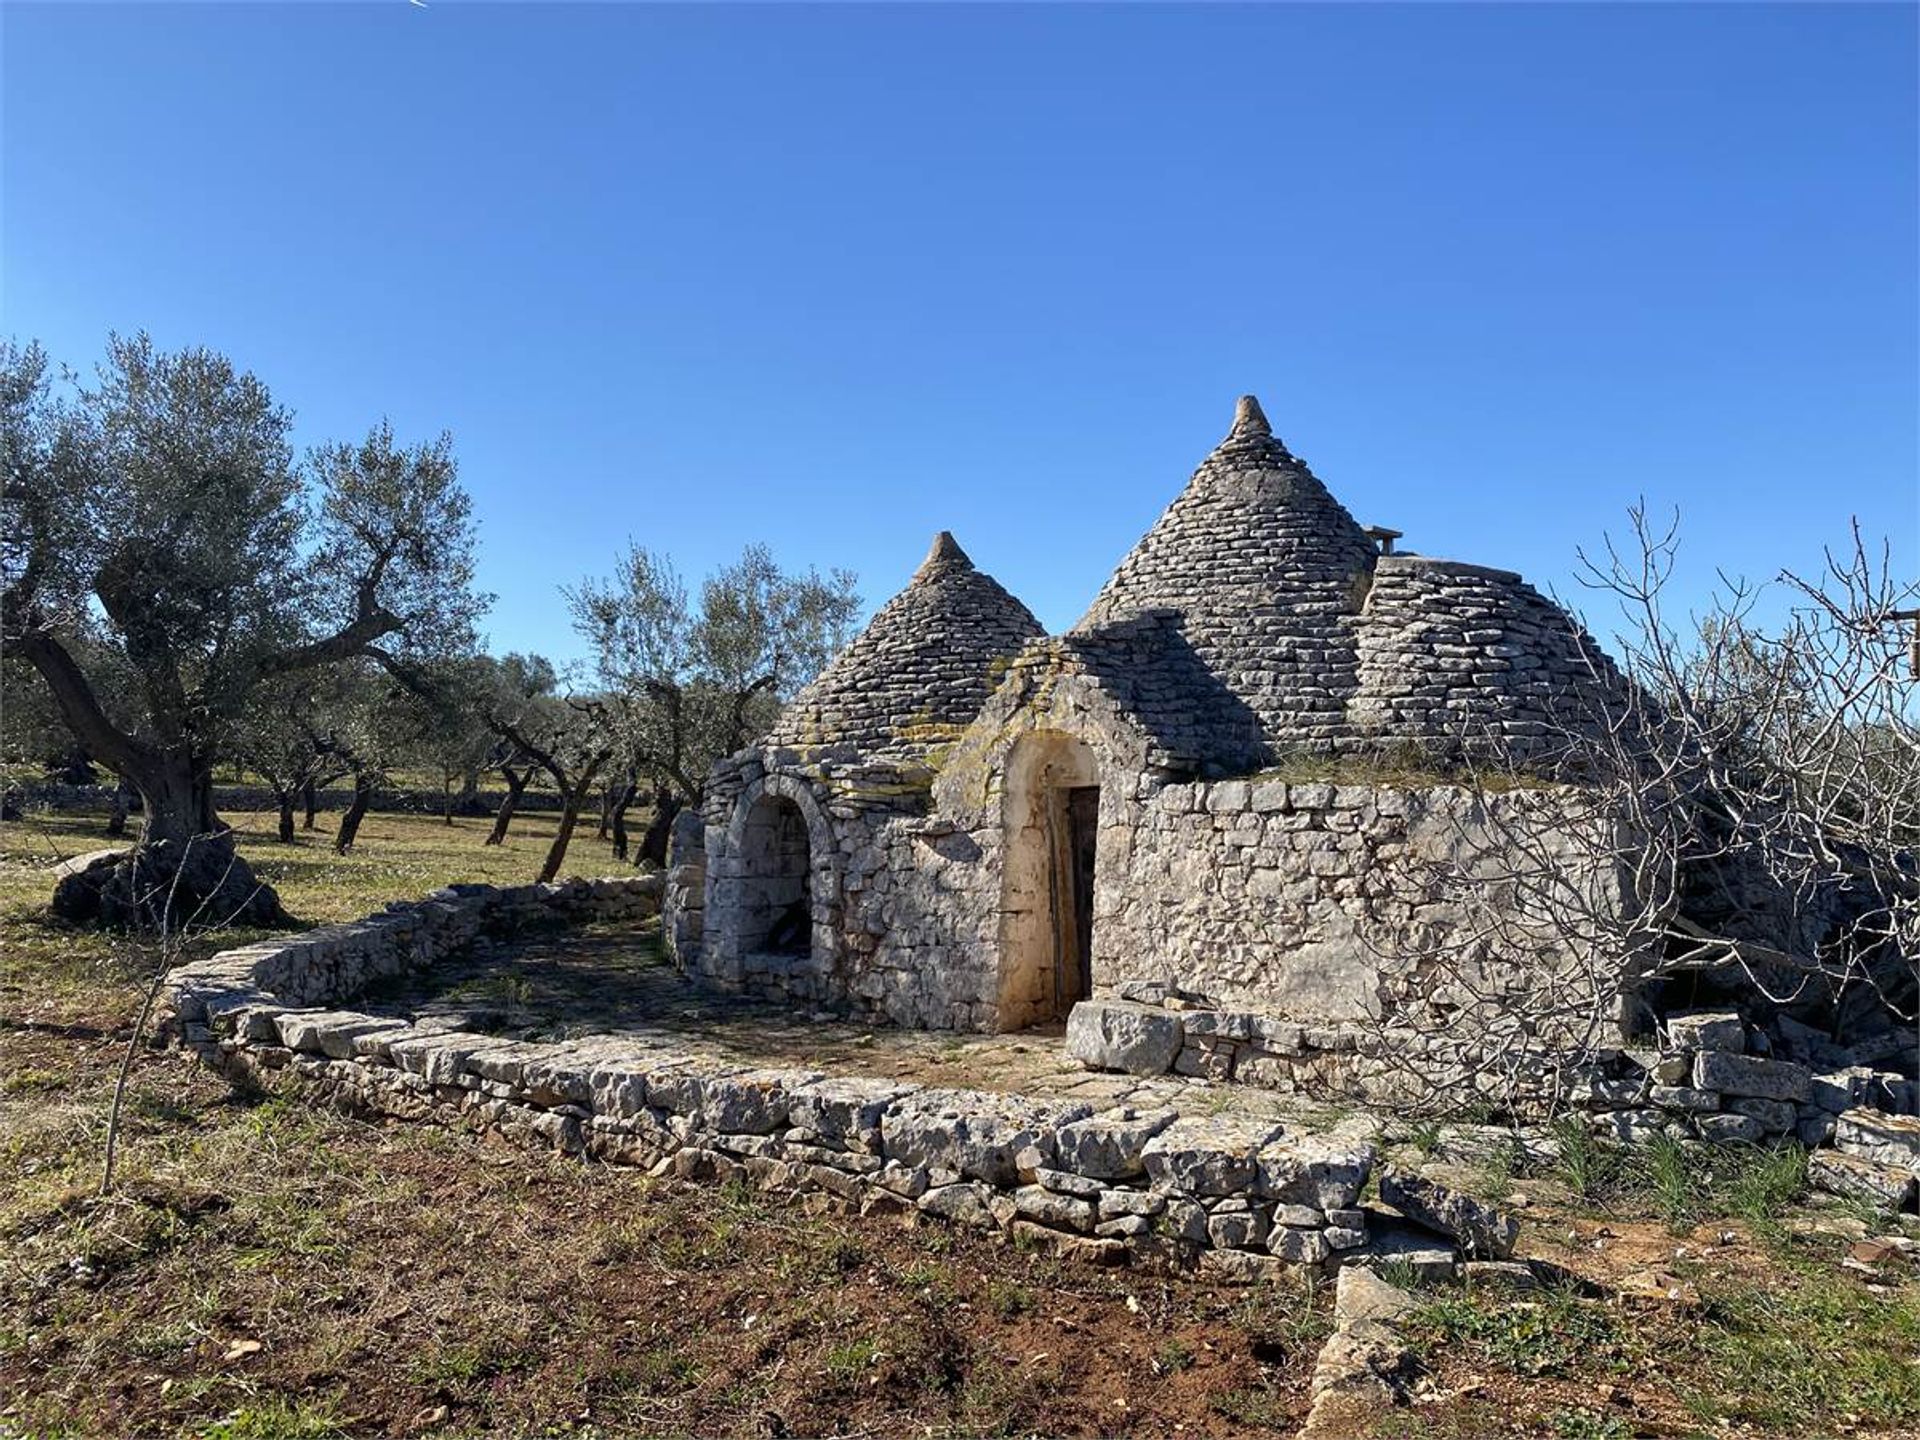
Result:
335,962
1238,1196
1703,1081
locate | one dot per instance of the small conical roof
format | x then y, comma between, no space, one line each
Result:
922,668
1262,570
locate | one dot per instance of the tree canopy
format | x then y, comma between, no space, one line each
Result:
161,511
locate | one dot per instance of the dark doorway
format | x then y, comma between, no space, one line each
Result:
1075,965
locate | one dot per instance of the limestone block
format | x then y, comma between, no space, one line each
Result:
1880,1137
1360,1294
1724,1129
1751,1075
1399,1245
1299,1247
1065,1183
1684,1097
1131,1202
1237,1230
1480,1230
1776,1117
1116,1035
1108,1147
1838,1173
756,1103
1843,1090
1208,1155
1316,1171
1707,1030
1062,1212
1185,1219
1244,1267
973,1132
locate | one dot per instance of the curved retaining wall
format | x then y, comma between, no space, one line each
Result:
1237,1195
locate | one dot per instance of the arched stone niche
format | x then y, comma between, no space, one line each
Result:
1050,804
779,853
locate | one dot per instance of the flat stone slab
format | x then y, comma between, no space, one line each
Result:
1120,1035
1480,1230
1838,1173
1751,1075
1875,1135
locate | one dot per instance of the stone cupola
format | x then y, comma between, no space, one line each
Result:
923,667
1262,571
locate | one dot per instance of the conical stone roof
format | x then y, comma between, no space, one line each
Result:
1263,572
919,672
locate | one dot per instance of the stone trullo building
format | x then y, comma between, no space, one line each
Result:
965,823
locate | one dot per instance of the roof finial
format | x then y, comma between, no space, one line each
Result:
1249,420
945,551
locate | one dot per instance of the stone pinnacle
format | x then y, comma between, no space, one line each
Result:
1249,420
945,551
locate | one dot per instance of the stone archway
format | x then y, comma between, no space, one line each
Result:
1051,815
776,891
773,900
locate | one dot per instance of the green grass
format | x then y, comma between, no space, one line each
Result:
1554,1332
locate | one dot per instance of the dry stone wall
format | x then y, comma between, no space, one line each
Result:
1243,1198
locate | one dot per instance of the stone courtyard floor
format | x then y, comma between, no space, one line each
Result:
614,980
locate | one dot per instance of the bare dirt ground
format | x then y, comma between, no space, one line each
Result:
268,1269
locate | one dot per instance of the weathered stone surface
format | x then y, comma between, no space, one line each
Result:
1204,1155
1707,1030
1360,1294
1116,1035
332,1032
845,1110
1730,1129
1062,1212
1065,1182
1108,1147
1242,1267
1480,1230
974,1132
1880,1137
964,1204
1839,1173
1299,1247
1237,1229
1684,1097
756,1103
1776,1117
1751,1075
1398,1245
1311,1170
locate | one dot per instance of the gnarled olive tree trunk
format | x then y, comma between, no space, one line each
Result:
183,869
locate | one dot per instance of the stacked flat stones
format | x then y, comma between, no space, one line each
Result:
1459,659
1263,570
918,673
1243,1196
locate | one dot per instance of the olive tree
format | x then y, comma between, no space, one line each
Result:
692,680
164,504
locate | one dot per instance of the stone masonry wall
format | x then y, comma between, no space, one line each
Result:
1242,1197
1314,903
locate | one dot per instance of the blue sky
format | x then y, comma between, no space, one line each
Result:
836,278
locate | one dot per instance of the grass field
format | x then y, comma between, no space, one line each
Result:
268,1269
